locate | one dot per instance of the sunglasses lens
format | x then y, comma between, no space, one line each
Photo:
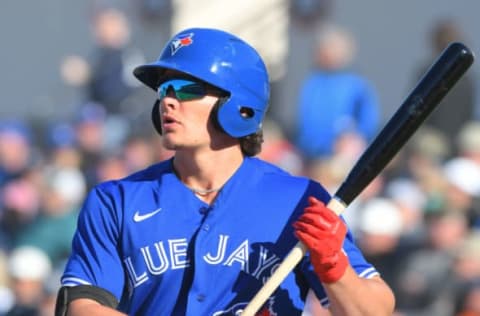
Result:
184,89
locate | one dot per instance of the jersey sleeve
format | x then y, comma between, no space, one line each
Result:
95,258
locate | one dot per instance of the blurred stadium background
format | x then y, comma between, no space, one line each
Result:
392,39
418,223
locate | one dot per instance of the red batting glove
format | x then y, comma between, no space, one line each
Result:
323,232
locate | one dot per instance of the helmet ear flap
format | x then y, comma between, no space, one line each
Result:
156,117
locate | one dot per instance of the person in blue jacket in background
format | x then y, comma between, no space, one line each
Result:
333,99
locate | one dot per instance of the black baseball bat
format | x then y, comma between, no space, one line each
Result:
422,100
429,91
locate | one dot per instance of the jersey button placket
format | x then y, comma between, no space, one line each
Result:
203,210
206,226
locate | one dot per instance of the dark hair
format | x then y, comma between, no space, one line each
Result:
251,145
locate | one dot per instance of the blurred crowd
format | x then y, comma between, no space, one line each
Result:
418,222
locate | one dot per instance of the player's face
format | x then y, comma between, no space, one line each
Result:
185,107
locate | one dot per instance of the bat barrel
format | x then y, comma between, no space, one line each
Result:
432,87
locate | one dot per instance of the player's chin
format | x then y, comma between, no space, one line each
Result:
169,142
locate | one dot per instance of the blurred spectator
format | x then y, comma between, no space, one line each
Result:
20,205
425,284
334,99
463,174
75,71
463,191
432,145
328,171
467,258
349,146
138,154
279,150
60,134
425,152
111,168
61,149
15,149
310,11
111,80
469,303
467,272
6,295
380,228
422,161
53,229
331,170
458,106
468,141
29,268
410,200
89,127
155,9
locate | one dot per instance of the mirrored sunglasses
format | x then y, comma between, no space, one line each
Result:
183,89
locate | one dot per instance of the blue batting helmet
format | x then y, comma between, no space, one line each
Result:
222,60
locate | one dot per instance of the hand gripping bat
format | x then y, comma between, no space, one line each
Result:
422,100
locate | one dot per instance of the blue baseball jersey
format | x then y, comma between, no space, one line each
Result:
160,250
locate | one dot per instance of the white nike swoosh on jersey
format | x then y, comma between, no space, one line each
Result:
140,217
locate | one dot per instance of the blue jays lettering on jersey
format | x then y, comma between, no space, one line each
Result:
160,250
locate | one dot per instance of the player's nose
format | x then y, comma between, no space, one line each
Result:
169,102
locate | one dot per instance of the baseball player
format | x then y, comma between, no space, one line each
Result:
200,233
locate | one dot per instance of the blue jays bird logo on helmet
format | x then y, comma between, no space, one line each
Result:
181,41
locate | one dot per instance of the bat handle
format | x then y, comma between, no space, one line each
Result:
288,264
